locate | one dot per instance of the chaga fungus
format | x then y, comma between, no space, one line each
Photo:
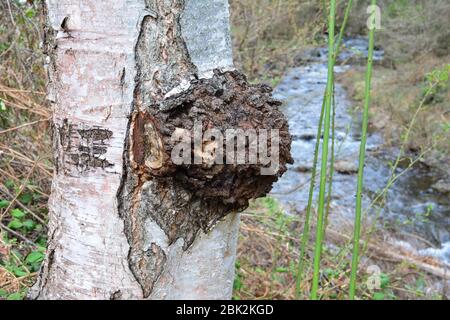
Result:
225,101
185,172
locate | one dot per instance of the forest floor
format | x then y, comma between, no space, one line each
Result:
267,39
268,253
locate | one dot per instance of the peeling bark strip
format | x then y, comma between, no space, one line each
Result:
125,222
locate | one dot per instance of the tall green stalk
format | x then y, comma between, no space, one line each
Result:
324,160
331,166
333,131
306,225
362,156
344,23
305,234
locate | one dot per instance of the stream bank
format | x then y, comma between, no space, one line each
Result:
416,214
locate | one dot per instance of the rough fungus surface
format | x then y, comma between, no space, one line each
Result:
214,105
184,198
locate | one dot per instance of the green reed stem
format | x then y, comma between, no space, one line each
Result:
331,166
324,160
332,158
344,23
362,155
306,228
306,225
336,53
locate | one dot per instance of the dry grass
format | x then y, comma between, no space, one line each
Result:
413,28
268,256
24,119
416,43
268,33
8,281
25,147
409,27
395,97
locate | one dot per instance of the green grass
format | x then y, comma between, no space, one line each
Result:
306,228
324,160
22,243
266,266
362,155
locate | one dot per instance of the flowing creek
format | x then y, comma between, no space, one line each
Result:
411,207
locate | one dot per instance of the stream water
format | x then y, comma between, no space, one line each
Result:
411,207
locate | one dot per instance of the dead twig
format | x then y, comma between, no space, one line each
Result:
19,192
20,204
24,125
18,235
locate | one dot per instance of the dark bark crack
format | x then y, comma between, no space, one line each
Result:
82,148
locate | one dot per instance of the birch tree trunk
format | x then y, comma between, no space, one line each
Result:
124,223
100,54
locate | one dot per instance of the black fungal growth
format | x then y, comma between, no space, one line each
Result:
223,102
184,198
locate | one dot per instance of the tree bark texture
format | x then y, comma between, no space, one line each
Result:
124,222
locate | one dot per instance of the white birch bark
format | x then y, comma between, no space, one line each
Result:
93,72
